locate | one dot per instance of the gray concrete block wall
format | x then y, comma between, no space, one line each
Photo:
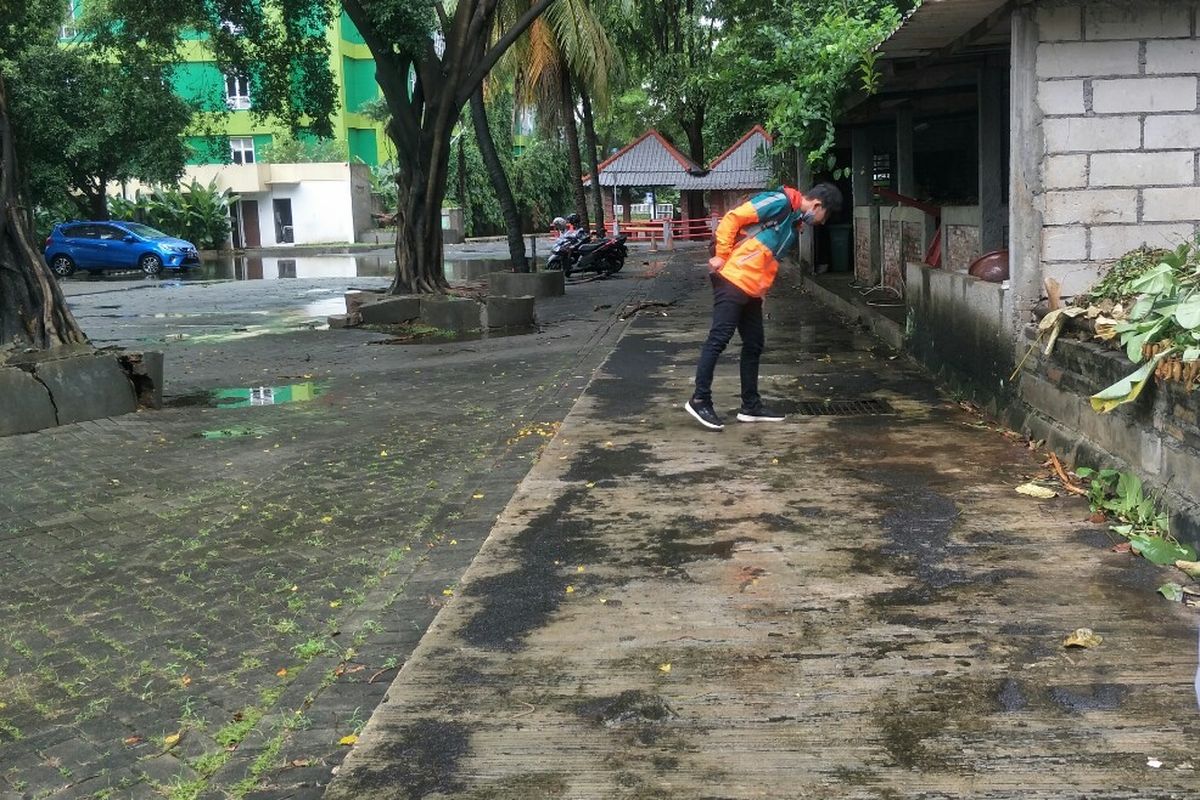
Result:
1119,97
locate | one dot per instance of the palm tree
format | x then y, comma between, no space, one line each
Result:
566,48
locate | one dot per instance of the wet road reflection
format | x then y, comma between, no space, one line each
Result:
255,268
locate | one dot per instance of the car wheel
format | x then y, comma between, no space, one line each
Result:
62,266
150,264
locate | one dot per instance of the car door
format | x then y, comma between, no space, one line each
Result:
83,244
113,250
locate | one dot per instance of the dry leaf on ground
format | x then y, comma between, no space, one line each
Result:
1082,637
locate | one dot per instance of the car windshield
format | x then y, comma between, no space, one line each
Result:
145,231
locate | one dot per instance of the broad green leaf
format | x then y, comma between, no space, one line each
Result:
1160,551
1172,591
1128,388
1158,280
1191,354
1187,314
1140,309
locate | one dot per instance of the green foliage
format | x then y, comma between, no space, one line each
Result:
1115,285
1167,311
542,183
82,120
383,184
810,63
197,213
1140,518
469,187
1122,496
288,149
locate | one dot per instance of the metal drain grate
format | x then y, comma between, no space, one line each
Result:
844,408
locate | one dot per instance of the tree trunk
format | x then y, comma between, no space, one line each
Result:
572,134
423,116
420,188
491,160
461,195
33,312
589,138
694,128
98,205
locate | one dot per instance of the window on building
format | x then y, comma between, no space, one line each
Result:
881,170
241,149
68,29
237,92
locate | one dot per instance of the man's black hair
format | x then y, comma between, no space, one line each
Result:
829,195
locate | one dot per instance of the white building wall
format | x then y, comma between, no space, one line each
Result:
327,202
1119,91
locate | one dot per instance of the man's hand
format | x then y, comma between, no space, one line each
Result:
715,263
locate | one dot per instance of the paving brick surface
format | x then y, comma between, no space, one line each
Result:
210,617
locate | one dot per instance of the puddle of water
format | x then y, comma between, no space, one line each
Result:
239,397
255,268
266,395
235,432
474,269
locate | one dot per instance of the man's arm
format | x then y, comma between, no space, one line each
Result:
731,225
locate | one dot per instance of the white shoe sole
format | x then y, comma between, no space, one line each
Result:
748,418
688,407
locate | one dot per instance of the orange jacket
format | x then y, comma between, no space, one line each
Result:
752,237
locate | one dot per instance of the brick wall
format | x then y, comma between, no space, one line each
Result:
1119,88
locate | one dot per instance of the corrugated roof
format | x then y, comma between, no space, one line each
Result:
936,24
649,160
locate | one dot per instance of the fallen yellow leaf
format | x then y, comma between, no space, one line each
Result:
477,496
448,592
335,603
172,740
282,672
454,541
1034,490
186,680
664,667
348,740
383,453
570,590
580,568
327,519
1082,637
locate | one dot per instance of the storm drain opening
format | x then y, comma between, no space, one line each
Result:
844,408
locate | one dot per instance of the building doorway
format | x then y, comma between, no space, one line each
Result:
284,234
243,219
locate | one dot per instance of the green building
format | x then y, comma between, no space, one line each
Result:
239,138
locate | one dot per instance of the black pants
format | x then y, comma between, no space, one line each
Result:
733,310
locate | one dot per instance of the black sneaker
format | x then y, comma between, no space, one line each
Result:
758,414
704,414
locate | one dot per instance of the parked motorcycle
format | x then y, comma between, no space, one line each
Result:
577,251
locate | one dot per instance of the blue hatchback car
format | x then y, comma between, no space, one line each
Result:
115,245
